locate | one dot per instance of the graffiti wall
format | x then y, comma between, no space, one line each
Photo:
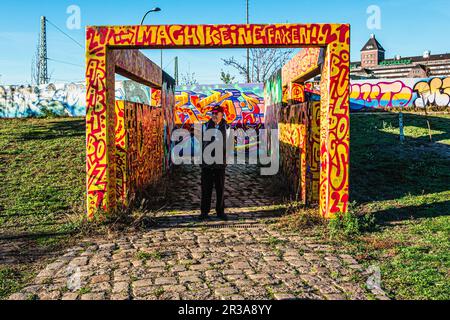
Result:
139,148
400,93
243,104
299,134
167,98
273,94
37,101
298,118
292,133
62,99
132,91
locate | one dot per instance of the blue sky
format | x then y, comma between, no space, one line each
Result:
408,27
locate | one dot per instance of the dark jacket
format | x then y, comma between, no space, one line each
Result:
223,126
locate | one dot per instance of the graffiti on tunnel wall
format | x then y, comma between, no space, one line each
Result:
243,104
292,132
139,148
400,93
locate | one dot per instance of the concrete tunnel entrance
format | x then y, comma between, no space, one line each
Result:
129,143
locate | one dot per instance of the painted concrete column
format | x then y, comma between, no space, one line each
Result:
335,125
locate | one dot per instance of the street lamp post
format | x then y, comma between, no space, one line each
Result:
248,50
153,10
157,9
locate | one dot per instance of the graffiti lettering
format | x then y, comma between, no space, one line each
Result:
381,94
435,92
401,93
35,101
243,104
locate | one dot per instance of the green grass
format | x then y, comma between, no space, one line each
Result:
41,190
42,174
407,187
12,279
144,256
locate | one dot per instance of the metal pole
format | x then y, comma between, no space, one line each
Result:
400,125
145,16
248,50
43,73
176,71
142,22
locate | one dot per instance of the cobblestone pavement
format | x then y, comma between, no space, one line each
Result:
243,258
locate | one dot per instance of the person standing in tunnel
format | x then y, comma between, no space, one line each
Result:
213,174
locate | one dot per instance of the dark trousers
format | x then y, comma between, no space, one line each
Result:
213,177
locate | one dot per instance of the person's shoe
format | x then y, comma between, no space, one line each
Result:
223,217
203,217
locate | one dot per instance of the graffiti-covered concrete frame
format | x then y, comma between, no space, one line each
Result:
100,117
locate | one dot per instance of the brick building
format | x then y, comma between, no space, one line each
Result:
374,65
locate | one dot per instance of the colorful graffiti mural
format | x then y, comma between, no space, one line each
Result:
303,63
132,91
63,99
36,101
335,130
167,95
273,93
293,124
312,151
406,93
432,92
381,94
139,148
101,116
243,104
299,132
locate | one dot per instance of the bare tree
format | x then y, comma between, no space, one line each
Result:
226,78
188,79
263,63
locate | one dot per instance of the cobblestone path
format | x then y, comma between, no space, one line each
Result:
243,258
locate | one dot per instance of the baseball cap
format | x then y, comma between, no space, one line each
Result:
217,109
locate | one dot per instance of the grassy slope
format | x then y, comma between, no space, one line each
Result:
407,186
41,182
43,176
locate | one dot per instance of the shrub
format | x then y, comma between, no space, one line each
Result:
350,224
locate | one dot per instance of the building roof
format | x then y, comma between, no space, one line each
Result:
372,44
433,57
416,59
